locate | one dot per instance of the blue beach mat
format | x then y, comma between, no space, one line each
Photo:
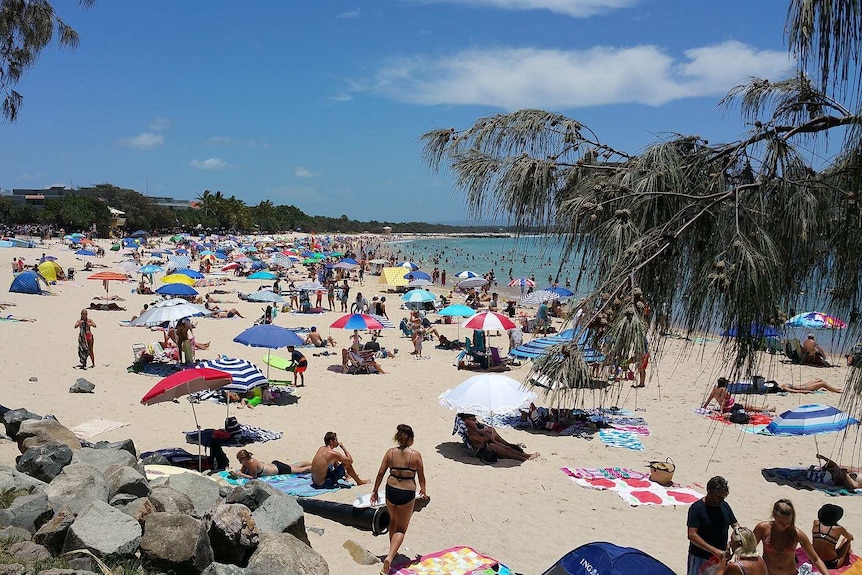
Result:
617,438
296,484
808,478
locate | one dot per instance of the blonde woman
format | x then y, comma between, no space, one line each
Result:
741,557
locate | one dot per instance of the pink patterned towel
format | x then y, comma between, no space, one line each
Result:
638,491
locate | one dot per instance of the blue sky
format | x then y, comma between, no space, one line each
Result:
321,103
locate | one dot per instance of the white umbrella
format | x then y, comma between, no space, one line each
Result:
311,286
419,283
466,274
472,283
170,310
486,394
129,266
539,297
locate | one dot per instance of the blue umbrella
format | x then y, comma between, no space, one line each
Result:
457,310
269,336
176,289
757,330
419,296
466,274
812,419
262,275
265,296
417,276
409,265
191,273
561,292
83,253
349,261
49,259
246,375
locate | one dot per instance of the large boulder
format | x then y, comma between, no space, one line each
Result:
203,491
13,418
103,459
226,569
13,480
45,462
28,551
139,509
232,533
176,543
53,533
29,512
14,534
77,486
281,514
105,531
124,444
168,500
127,480
35,432
284,554
252,494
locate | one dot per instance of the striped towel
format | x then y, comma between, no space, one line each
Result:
384,321
636,429
604,473
617,438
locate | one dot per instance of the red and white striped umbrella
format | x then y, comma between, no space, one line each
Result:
488,320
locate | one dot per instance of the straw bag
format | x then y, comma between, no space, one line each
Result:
661,472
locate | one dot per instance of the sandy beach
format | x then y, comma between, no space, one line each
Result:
526,515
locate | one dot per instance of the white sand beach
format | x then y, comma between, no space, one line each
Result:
527,515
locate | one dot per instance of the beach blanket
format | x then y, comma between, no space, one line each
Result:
452,561
634,490
604,473
512,420
295,484
94,427
155,368
853,567
311,311
617,438
810,478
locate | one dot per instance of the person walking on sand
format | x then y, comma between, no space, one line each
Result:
85,339
329,465
708,521
405,467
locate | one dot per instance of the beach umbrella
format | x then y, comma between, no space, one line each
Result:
245,375
140,234
409,265
150,269
357,321
49,259
195,275
419,283
83,252
345,266
265,296
418,296
472,283
466,274
108,277
417,276
815,320
538,297
486,394
522,282
561,292
187,382
457,310
130,267
812,419
263,275
488,320
230,266
178,279
171,311
271,337
179,289
756,330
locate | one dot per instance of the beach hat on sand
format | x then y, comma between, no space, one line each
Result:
830,514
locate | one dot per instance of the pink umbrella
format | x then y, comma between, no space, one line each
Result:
230,266
488,320
357,321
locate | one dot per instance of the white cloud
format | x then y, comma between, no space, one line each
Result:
574,8
513,78
144,141
350,14
301,172
160,125
341,98
209,164
219,140
28,176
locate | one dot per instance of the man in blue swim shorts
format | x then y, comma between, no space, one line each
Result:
329,464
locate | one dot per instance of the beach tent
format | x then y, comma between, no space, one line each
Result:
393,276
51,271
601,558
26,282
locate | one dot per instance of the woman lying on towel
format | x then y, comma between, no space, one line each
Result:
843,476
253,468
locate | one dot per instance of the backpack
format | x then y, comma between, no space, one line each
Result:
738,415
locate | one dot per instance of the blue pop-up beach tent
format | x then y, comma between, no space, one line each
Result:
26,282
601,558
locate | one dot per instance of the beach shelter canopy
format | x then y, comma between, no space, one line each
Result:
812,419
393,276
51,271
27,282
486,394
246,375
815,320
602,558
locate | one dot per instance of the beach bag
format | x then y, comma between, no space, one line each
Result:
232,426
738,415
661,472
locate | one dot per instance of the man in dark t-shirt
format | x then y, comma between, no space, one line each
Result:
708,522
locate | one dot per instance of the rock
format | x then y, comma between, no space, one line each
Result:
226,569
15,569
53,533
232,533
13,418
14,534
105,531
285,554
102,459
13,480
29,512
34,379
252,494
155,459
119,499
127,480
124,444
203,491
281,514
45,462
168,500
28,551
176,543
66,572
82,386
139,509
78,485
360,554
35,432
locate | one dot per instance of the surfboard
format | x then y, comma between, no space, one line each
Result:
364,501
154,471
277,362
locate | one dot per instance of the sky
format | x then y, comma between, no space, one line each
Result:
322,103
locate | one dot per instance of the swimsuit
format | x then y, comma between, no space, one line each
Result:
333,474
829,538
395,495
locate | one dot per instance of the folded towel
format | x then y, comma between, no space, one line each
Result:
94,427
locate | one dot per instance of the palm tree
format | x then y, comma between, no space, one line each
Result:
26,28
726,235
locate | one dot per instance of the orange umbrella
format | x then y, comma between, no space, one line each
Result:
108,277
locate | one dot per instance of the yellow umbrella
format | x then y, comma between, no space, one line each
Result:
178,279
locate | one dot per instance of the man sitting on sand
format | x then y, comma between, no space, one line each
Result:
843,476
483,437
314,338
813,353
329,465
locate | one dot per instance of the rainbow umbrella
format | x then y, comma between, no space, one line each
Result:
815,320
357,321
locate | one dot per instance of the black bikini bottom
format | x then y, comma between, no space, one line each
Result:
397,496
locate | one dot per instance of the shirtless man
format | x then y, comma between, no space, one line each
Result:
329,465
314,338
813,353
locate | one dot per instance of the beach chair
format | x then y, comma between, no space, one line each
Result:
793,350
495,360
460,428
405,329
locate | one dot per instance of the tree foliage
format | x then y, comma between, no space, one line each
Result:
726,235
26,28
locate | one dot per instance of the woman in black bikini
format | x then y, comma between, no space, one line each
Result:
826,533
405,467
781,537
252,468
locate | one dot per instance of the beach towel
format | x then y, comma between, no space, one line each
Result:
158,369
452,561
295,484
247,434
636,429
90,429
633,490
811,478
853,567
617,438
604,473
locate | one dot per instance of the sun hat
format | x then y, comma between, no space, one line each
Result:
830,514
314,328
810,336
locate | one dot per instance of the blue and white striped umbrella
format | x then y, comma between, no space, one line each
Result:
810,419
246,375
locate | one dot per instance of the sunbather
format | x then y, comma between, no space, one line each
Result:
12,317
351,356
486,437
314,338
106,306
846,477
219,313
813,353
807,387
446,343
253,468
